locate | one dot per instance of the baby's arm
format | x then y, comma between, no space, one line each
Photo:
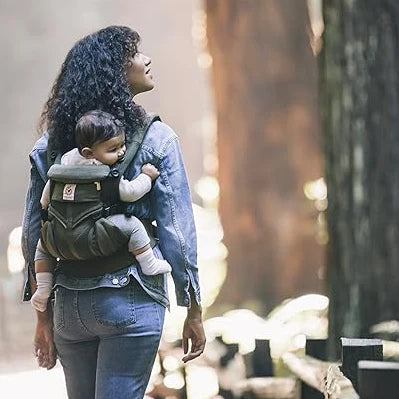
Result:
133,190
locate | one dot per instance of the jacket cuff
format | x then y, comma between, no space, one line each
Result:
183,298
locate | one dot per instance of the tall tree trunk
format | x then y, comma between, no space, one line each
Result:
264,77
359,89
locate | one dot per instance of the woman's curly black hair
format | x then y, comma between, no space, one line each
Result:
93,77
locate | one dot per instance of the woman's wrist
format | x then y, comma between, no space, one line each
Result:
44,317
195,311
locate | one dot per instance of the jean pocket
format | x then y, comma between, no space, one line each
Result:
114,307
58,311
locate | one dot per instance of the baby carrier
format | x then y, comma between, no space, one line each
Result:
81,199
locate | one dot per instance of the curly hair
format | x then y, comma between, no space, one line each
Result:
93,77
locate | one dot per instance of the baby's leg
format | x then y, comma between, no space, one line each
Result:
44,267
139,245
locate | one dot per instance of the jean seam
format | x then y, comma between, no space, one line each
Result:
59,303
76,306
158,315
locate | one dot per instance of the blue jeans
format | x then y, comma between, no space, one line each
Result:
107,340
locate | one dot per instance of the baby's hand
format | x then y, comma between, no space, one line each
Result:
150,170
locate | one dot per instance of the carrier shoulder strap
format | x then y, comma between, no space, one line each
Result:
136,143
52,155
52,158
110,186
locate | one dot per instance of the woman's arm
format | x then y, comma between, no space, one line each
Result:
31,225
43,340
193,330
172,210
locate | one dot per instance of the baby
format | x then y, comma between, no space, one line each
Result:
100,139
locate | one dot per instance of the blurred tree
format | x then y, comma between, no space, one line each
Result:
264,76
359,89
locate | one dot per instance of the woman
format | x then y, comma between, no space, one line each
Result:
106,329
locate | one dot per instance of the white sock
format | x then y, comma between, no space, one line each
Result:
44,286
150,265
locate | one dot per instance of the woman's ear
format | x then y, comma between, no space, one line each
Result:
87,152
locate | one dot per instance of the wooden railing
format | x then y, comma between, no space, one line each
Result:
362,371
324,377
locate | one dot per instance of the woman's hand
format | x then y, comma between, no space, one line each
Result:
193,330
43,342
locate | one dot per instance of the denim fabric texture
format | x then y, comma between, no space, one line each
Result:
168,204
107,340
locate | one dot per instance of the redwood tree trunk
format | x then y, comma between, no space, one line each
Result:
359,89
264,76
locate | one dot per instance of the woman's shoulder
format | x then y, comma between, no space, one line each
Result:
38,155
40,144
158,138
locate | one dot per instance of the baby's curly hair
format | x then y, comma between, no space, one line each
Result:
93,77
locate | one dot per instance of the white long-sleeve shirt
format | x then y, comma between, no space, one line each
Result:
129,190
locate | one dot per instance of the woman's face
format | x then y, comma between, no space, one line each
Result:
138,74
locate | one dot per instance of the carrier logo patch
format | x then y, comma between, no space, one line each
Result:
68,193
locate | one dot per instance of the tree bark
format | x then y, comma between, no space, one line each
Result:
359,89
264,76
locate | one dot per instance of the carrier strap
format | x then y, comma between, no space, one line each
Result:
135,144
110,186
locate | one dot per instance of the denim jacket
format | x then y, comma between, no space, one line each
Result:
168,203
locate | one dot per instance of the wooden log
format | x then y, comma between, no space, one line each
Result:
337,386
386,330
355,349
326,377
268,388
391,350
316,348
378,379
308,369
